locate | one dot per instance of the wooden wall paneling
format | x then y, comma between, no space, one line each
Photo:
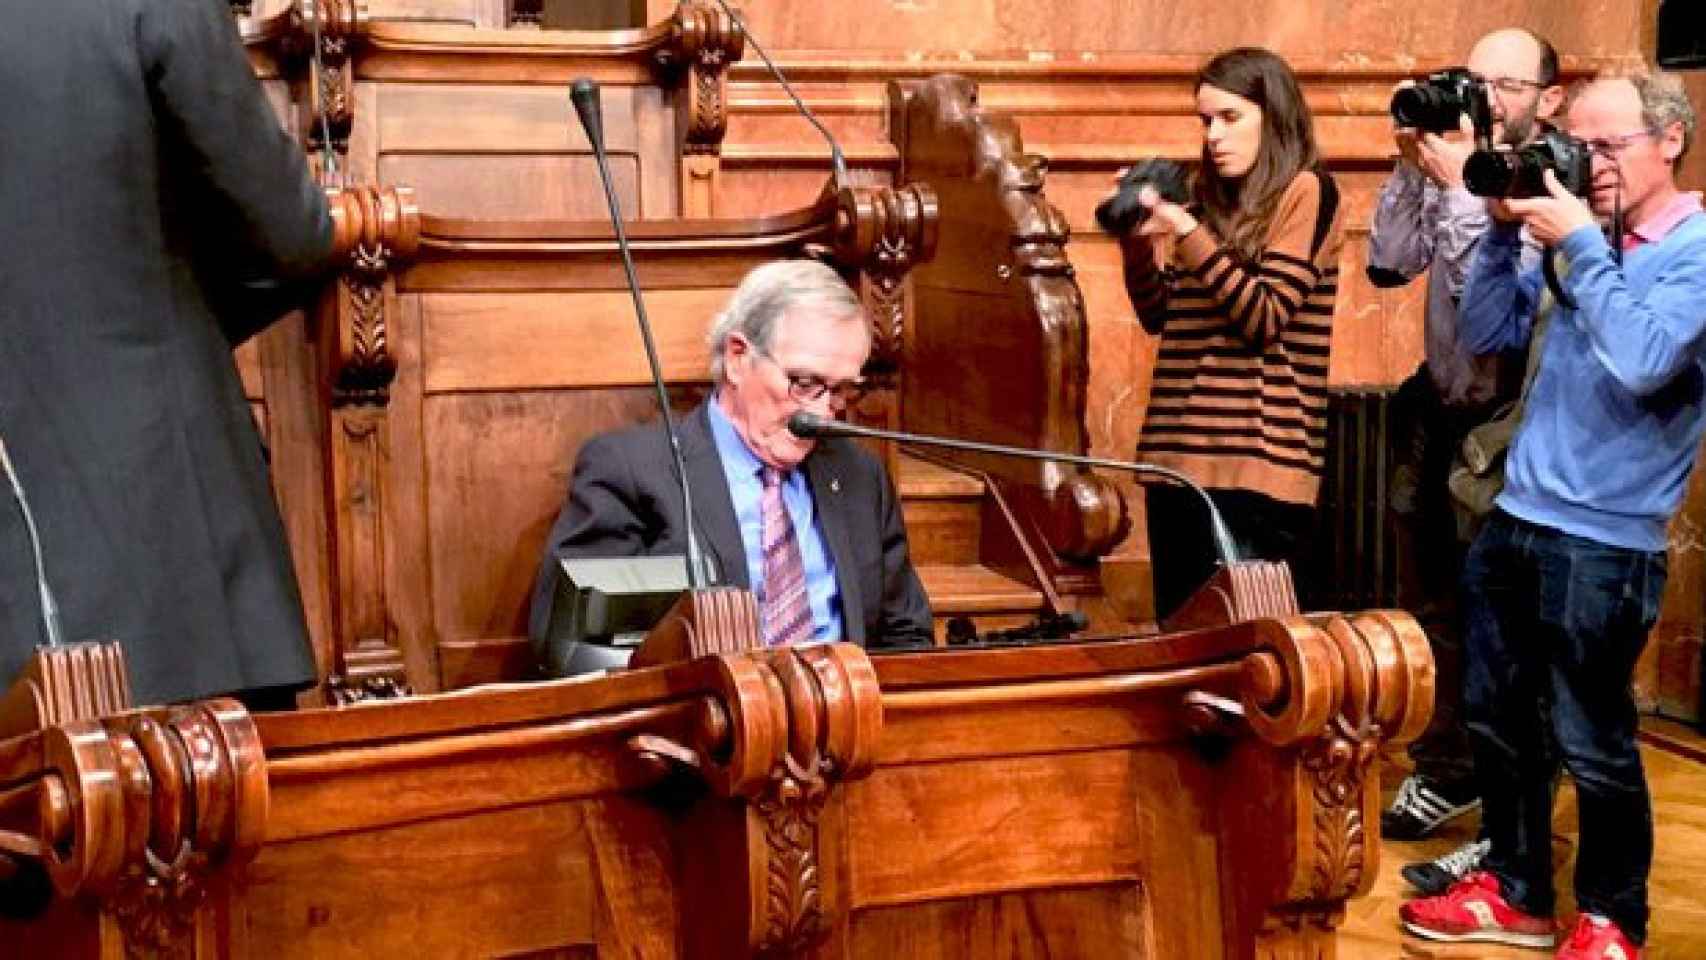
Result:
1317,28
593,14
1692,174
513,152
497,471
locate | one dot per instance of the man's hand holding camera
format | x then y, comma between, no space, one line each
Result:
1440,157
1549,219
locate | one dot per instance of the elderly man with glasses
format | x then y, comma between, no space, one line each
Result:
813,527
1427,220
1564,581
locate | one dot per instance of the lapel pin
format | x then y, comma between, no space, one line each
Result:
834,484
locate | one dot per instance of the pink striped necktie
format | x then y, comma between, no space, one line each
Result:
787,613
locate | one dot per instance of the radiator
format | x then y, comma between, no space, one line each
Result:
1354,564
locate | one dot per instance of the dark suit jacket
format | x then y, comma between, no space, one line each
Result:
623,501
152,212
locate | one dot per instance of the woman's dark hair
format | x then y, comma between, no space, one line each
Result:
1239,210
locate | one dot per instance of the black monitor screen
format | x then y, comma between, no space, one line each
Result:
602,608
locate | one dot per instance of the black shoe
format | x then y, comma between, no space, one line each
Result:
1422,806
1434,877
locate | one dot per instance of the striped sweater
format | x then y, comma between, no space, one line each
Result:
1239,399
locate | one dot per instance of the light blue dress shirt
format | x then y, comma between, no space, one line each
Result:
746,489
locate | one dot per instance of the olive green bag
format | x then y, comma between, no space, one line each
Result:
1478,472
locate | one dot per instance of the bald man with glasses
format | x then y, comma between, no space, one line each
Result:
1427,221
811,526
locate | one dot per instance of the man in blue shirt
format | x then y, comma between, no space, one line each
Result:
1564,582
812,527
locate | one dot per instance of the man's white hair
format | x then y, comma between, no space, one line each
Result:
1664,100
765,296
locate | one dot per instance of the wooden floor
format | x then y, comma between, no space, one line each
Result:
1676,770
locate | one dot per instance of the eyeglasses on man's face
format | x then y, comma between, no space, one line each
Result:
809,387
1617,143
1511,86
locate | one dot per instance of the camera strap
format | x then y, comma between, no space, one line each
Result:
1324,214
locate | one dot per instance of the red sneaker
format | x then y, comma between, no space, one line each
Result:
1596,938
1474,910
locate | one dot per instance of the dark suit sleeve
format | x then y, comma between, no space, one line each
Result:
210,107
905,619
604,516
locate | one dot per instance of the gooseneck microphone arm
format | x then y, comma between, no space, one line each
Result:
49,608
803,424
836,159
584,93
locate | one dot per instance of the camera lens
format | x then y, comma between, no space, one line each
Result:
1488,173
1425,107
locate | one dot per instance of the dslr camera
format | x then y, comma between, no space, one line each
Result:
1434,104
1118,214
1519,174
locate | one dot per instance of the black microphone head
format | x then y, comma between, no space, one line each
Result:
803,424
584,92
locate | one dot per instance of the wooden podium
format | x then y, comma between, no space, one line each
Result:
1208,793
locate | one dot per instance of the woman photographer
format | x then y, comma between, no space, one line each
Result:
1240,286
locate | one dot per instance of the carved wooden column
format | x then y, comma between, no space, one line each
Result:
786,727
329,105
703,42
1328,692
143,813
881,233
884,232
375,227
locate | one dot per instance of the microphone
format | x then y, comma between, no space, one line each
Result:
804,424
49,608
836,160
584,93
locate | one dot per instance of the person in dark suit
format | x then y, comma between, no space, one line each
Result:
813,527
152,215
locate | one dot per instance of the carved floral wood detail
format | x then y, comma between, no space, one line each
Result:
884,232
330,102
783,729
373,227
703,41
1330,690
139,810
790,807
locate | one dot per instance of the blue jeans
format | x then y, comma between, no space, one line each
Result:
1555,625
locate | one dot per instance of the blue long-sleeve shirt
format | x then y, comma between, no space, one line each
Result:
1616,411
